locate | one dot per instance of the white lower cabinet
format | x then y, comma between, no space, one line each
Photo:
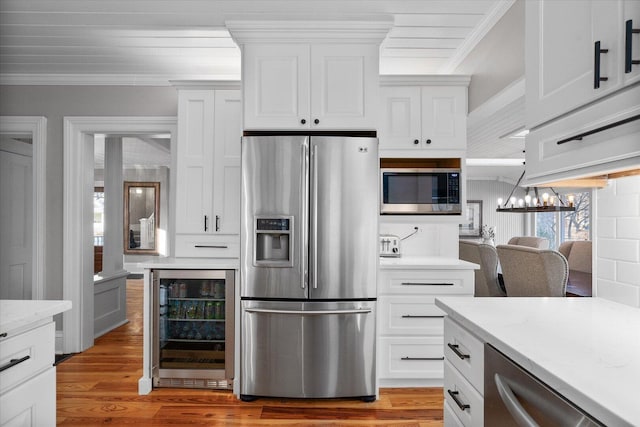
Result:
410,326
463,376
32,403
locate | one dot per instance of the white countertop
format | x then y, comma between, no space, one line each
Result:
428,262
15,314
193,263
587,349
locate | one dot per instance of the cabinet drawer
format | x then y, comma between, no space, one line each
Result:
465,352
36,345
202,246
431,282
32,403
469,407
410,357
450,417
410,315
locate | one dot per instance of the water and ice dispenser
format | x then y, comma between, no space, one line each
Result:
273,241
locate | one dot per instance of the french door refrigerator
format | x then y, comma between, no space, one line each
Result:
308,266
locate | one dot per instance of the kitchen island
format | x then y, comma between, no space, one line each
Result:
586,349
27,373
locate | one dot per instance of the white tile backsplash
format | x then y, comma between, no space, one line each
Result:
430,240
617,245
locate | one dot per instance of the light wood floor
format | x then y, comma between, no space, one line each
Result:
100,387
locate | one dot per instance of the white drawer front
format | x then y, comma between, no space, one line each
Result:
32,403
465,352
469,407
432,282
410,315
409,357
36,347
195,246
450,418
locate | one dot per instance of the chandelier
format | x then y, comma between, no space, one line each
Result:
546,203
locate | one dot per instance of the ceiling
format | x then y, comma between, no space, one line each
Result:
149,42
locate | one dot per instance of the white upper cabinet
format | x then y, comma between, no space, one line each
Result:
631,18
431,117
575,53
310,75
208,172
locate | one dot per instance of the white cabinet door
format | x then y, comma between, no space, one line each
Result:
226,173
631,12
560,54
276,86
195,161
400,121
344,86
444,118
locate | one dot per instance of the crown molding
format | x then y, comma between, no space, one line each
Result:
425,79
471,41
105,79
308,31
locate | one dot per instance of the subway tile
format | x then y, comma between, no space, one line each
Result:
626,228
618,292
619,206
628,272
619,249
606,269
609,190
628,185
607,227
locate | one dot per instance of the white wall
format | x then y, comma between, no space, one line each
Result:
506,225
617,246
430,240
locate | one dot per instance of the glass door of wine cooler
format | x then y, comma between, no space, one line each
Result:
194,328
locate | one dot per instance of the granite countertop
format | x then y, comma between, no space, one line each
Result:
192,263
587,349
426,262
15,314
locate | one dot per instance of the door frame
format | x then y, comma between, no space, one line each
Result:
77,270
37,126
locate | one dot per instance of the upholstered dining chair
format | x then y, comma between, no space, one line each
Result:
530,241
532,272
578,254
486,278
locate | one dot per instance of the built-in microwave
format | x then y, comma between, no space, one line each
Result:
420,191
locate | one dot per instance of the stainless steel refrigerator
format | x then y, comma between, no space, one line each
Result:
308,266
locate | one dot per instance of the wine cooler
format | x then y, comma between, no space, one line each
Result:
193,334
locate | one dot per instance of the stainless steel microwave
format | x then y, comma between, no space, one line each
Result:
419,191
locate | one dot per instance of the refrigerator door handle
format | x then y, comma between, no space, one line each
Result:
309,312
315,216
305,218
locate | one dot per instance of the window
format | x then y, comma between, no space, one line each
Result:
561,226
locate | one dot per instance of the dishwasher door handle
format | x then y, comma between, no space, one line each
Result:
308,312
520,414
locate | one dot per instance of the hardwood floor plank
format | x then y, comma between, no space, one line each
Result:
100,387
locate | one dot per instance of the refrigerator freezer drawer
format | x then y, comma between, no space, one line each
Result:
308,349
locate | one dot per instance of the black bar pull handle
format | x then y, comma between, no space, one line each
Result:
628,46
217,222
454,396
454,348
596,65
206,227
422,358
415,316
425,284
14,362
600,129
212,246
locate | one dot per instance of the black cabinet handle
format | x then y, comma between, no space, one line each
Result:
412,316
454,348
212,246
217,222
303,121
596,65
316,121
600,129
425,284
454,396
428,141
14,362
422,358
206,227
628,45
416,141
2,335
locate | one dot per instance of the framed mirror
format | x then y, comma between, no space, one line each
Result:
141,216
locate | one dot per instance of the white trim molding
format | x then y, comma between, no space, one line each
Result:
37,126
77,269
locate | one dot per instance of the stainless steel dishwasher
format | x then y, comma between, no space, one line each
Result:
514,397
